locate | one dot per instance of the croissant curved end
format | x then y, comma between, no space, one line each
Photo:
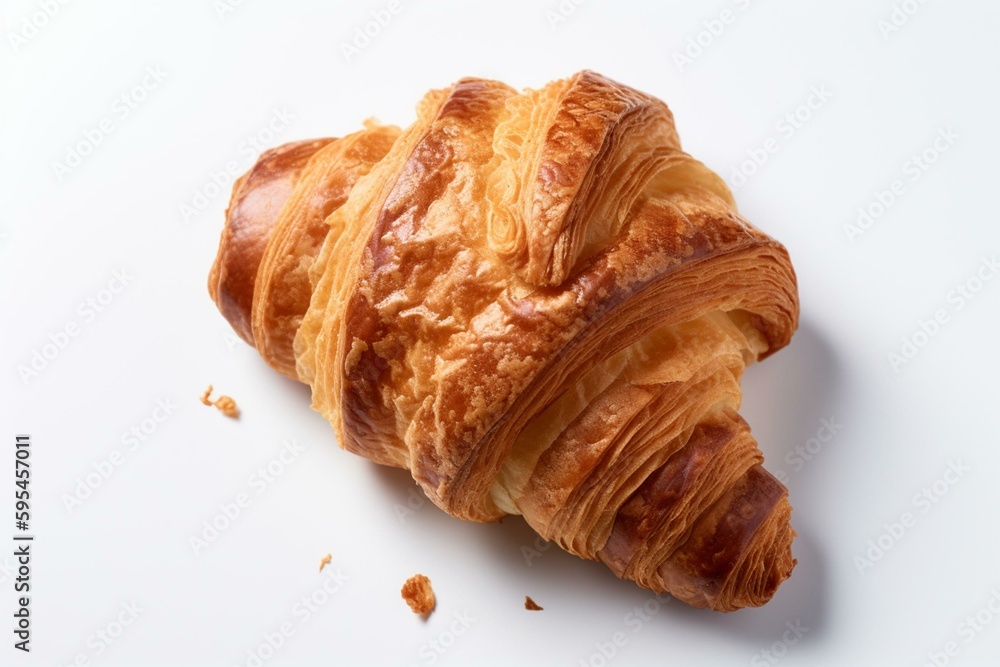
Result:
539,305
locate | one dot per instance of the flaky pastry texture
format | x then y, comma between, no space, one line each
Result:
538,304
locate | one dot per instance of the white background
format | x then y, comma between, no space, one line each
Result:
162,338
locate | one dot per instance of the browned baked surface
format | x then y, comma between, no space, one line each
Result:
539,305
257,199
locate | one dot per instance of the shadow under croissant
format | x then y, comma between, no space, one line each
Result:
288,386
791,393
785,401
785,398
513,552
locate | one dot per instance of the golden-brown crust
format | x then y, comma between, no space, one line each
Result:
730,532
403,257
257,199
282,291
566,204
539,304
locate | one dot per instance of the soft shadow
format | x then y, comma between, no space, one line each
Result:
786,395
804,597
784,399
512,551
287,385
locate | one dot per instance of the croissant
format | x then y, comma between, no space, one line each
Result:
538,304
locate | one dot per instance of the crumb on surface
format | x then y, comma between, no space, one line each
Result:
531,605
419,595
225,404
326,560
205,397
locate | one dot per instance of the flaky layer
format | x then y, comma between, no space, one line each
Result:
539,305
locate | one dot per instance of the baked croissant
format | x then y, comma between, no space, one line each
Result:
539,305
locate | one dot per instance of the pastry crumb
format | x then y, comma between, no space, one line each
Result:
228,406
225,404
205,397
531,605
419,595
326,560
